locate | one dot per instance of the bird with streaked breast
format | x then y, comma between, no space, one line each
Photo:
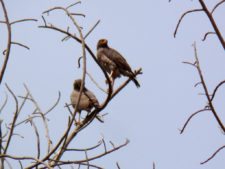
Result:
113,62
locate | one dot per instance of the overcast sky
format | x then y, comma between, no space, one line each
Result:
151,116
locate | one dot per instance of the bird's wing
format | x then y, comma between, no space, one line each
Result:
84,100
117,58
92,98
107,63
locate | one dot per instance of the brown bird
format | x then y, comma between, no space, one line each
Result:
87,100
113,62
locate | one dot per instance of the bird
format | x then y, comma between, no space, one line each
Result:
87,100
113,62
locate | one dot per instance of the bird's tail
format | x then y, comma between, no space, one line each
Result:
136,82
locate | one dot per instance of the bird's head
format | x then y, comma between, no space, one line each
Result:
77,84
102,43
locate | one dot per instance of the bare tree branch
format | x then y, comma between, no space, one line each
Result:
47,135
91,30
20,44
212,21
23,20
4,104
206,90
213,155
38,138
8,43
217,5
206,35
216,89
181,18
189,119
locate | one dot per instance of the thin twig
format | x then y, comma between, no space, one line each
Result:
43,118
206,35
216,88
23,20
14,119
54,105
85,149
182,16
206,90
91,30
38,138
79,2
189,119
118,166
93,80
78,14
4,104
8,43
217,5
212,21
213,155
95,157
20,44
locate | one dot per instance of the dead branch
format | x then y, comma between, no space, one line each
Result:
216,89
181,18
78,14
20,44
8,43
93,158
206,35
54,105
217,5
86,47
206,90
37,137
96,84
118,166
189,119
86,149
79,2
91,30
4,103
43,118
212,21
23,20
213,155
13,121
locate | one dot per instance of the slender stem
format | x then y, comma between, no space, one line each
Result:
9,41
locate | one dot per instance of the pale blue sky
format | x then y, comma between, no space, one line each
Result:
150,116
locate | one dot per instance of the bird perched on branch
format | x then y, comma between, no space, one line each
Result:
87,99
113,62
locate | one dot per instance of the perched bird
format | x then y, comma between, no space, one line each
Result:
87,100
113,62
